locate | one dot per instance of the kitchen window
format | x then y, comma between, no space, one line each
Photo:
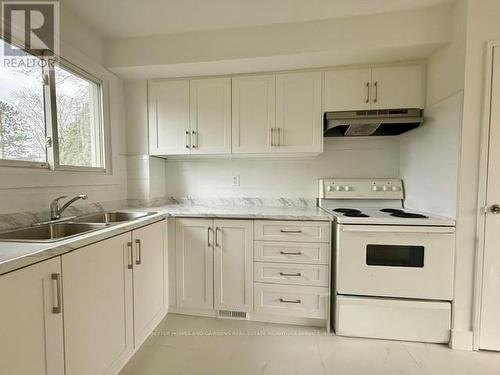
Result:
51,116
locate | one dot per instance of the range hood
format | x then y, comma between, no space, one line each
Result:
372,122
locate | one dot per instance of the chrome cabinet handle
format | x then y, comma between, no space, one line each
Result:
217,229
367,92
290,231
495,209
272,137
195,137
376,92
209,229
290,253
130,256
138,261
187,140
282,300
296,274
56,282
279,136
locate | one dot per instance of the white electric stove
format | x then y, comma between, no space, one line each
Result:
393,267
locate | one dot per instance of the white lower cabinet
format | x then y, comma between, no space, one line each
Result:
114,295
98,307
31,329
214,265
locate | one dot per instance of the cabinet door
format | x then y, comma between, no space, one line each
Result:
233,265
98,320
397,87
254,108
194,263
169,117
298,112
211,116
347,90
150,279
31,333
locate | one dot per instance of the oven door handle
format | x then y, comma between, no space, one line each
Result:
396,229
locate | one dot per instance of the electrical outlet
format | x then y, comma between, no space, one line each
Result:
236,180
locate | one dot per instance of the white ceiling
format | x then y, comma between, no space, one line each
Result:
130,18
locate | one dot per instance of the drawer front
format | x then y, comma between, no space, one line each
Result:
291,300
293,231
292,252
295,274
393,319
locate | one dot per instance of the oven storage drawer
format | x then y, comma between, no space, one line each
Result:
291,300
421,321
293,231
395,261
295,274
292,252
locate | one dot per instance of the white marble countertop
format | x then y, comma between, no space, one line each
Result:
16,255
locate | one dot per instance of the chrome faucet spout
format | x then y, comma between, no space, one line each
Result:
55,211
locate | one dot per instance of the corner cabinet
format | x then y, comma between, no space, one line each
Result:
31,332
388,87
214,265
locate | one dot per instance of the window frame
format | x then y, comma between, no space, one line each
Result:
52,161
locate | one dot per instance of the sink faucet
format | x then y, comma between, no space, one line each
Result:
55,211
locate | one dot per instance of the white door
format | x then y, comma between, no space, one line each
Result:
298,112
397,87
347,90
150,279
31,332
490,307
210,116
253,118
233,265
98,317
194,263
169,132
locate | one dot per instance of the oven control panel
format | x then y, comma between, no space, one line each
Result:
338,188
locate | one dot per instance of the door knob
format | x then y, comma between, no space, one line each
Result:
495,209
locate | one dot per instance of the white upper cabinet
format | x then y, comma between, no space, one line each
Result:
169,132
299,125
347,90
397,87
31,330
210,105
254,108
388,87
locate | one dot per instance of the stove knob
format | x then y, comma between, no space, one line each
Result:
330,188
396,188
375,188
338,188
385,188
347,188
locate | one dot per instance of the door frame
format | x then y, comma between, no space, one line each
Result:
482,193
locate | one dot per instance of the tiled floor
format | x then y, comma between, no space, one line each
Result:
205,346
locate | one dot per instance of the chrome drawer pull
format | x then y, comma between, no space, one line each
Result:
289,253
290,274
290,231
290,301
130,255
139,252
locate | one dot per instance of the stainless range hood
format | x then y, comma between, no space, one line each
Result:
372,122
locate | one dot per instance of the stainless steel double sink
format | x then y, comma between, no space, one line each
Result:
62,230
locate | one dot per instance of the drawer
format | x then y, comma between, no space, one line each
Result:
293,231
393,319
295,274
291,300
292,252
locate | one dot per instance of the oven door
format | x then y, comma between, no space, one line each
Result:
395,261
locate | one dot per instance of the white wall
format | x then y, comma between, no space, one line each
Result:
284,177
430,154
26,189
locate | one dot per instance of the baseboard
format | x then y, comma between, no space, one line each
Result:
461,340
190,311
